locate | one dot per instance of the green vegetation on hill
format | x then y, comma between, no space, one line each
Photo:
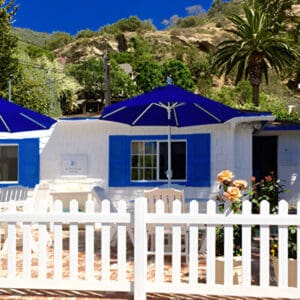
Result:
53,71
31,37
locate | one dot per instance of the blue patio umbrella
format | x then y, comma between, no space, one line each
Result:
16,118
171,105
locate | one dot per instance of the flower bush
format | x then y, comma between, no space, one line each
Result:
269,188
231,190
292,243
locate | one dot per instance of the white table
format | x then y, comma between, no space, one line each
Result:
67,195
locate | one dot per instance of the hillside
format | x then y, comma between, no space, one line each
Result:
205,39
194,45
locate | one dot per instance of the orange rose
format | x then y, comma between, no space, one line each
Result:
240,184
225,175
268,178
232,193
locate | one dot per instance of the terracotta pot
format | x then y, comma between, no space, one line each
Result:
292,270
237,270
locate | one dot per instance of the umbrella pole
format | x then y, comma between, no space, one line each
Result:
169,171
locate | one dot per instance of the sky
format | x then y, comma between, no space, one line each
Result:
74,15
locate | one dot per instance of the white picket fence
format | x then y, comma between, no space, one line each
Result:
80,253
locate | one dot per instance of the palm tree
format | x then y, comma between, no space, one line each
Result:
254,49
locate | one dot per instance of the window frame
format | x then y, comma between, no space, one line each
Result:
158,142
17,158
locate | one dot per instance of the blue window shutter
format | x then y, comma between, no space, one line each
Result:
29,162
199,160
119,160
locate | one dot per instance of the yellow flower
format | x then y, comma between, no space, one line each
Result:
240,184
225,175
232,193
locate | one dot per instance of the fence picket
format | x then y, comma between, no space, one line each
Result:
121,244
73,244
11,244
89,243
298,248
105,243
228,248
57,243
159,242
193,245
140,251
246,246
27,242
283,247
211,245
176,244
264,263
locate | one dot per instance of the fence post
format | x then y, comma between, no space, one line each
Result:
140,248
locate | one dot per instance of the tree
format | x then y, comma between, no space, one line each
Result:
8,44
179,73
132,24
149,76
253,50
59,39
277,11
90,75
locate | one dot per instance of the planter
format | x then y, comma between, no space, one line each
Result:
237,270
292,270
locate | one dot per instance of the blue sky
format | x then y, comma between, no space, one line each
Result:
75,15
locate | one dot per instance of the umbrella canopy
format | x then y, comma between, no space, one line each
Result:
171,106
16,118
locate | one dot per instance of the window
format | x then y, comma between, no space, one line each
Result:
8,163
149,160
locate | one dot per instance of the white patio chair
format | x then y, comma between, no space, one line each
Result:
24,200
168,196
18,194
98,195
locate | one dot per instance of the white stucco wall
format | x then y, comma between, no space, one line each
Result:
289,164
230,149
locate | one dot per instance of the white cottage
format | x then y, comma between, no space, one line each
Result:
81,153
77,154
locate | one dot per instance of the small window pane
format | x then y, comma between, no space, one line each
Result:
134,161
8,163
150,147
134,174
137,148
149,161
141,161
178,160
148,174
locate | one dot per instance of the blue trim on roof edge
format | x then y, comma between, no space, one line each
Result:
282,128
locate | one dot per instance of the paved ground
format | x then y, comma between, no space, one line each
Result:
14,294
76,295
